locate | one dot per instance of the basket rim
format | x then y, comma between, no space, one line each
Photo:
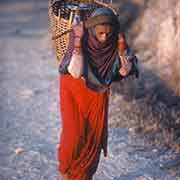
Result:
60,35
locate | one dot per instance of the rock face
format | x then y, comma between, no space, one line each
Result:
152,28
157,39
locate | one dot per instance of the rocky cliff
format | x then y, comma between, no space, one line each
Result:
153,31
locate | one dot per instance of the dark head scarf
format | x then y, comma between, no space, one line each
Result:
101,56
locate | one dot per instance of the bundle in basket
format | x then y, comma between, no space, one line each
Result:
62,14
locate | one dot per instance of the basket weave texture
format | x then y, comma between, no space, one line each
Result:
61,21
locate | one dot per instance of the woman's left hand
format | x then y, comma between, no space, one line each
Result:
126,66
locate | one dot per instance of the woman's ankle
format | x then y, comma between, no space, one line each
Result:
64,177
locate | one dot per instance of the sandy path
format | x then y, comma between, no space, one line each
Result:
29,108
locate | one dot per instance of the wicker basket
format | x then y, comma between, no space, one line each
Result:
61,13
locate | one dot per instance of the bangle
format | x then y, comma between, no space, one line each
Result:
77,37
77,47
77,50
77,42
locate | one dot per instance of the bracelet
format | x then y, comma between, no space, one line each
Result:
77,37
77,47
77,40
77,50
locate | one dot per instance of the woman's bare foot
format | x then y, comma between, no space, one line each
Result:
64,177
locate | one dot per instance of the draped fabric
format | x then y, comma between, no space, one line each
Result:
101,55
84,110
84,128
101,59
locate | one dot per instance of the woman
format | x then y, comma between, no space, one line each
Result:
84,94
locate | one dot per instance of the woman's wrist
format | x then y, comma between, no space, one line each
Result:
77,42
77,50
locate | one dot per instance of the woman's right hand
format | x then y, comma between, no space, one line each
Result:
78,30
75,68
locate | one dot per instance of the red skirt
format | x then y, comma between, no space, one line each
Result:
84,128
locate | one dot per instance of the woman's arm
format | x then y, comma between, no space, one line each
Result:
126,65
127,58
75,67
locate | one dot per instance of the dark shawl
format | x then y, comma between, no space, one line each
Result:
101,59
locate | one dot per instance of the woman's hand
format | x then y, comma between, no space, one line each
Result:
126,66
75,68
78,30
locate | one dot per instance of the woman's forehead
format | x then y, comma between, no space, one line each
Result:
103,28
